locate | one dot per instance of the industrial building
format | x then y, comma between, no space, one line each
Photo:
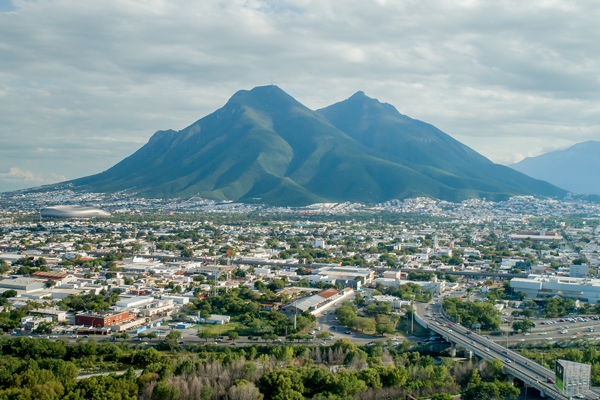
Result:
23,285
73,212
547,286
330,274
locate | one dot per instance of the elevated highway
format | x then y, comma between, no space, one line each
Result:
431,316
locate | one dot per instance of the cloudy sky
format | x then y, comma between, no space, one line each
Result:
83,84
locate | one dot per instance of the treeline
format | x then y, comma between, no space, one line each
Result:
42,369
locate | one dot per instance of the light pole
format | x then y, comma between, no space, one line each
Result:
412,326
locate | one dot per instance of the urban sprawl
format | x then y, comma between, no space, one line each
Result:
342,286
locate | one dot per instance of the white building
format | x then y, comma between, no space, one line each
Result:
579,271
548,286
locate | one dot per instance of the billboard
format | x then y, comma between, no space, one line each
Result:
572,378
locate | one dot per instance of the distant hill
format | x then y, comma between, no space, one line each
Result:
576,169
264,146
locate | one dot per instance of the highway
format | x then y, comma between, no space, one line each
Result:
514,364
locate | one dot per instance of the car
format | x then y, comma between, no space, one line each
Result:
449,330
278,340
325,313
229,338
521,340
30,337
322,344
550,380
543,333
549,338
450,325
472,342
507,360
348,332
469,332
144,343
73,336
486,349
579,396
312,332
526,334
504,352
219,340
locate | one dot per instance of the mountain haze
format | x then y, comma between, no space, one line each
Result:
575,169
264,146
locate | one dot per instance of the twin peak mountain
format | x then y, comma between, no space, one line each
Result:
263,146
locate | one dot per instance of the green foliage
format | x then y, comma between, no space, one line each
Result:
469,312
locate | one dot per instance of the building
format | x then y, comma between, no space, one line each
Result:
218,319
536,236
334,272
73,212
102,319
135,301
548,286
317,302
58,277
392,275
579,271
26,285
30,323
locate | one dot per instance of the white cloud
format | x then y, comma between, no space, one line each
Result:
93,80
17,175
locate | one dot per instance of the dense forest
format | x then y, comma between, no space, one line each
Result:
42,369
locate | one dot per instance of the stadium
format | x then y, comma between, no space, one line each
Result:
73,212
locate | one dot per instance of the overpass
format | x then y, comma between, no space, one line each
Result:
431,316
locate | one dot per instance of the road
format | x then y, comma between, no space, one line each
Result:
514,364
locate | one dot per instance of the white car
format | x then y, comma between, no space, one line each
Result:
526,334
549,338
543,333
486,349
521,340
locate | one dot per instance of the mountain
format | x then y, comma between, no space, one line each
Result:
576,169
264,146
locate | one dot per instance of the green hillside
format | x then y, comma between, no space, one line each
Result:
264,146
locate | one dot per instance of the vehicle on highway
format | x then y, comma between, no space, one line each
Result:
486,349
521,340
550,380
348,332
322,344
449,330
507,360
527,334
549,338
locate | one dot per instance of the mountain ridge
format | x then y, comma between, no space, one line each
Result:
265,146
570,168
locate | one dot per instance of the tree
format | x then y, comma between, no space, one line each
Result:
522,326
382,329
324,335
49,283
364,324
205,334
233,336
174,335
125,335
151,335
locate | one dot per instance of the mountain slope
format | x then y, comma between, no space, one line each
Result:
575,169
264,146
430,151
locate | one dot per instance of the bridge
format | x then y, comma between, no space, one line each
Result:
431,316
